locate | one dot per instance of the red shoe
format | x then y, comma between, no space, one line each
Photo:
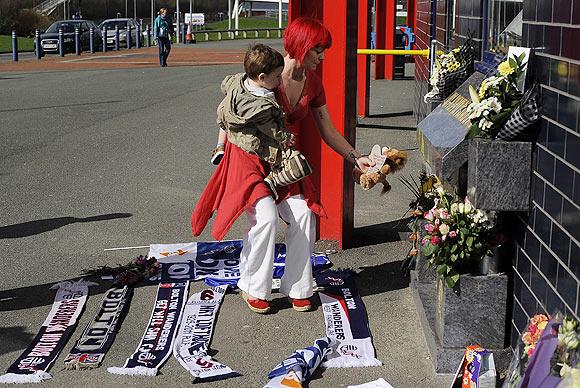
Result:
301,304
259,306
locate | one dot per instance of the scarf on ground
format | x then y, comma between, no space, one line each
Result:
218,262
298,368
194,337
156,344
33,364
99,334
346,321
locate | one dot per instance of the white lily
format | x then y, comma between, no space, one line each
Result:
473,94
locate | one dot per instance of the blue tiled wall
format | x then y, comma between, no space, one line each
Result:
546,261
546,264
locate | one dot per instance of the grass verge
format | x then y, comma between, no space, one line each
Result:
24,44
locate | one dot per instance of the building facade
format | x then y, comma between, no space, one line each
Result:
546,260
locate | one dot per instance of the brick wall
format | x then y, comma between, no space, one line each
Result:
422,39
546,264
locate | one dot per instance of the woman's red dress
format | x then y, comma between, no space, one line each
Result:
237,182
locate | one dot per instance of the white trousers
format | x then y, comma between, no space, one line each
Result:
257,256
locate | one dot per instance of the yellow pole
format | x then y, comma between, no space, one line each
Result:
424,53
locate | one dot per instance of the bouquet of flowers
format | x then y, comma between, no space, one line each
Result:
137,270
424,193
457,236
532,334
565,357
498,103
450,71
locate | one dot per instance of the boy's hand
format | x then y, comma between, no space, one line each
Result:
290,142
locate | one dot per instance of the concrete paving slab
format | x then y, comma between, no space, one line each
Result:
103,158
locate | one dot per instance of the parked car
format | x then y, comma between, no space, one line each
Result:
49,38
122,23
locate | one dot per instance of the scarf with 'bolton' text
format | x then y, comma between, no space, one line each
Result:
346,321
99,334
156,344
32,365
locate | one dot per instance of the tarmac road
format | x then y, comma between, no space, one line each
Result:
95,159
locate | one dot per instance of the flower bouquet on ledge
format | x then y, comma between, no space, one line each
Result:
450,71
498,109
457,237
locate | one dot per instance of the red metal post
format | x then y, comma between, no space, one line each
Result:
385,28
363,61
338,73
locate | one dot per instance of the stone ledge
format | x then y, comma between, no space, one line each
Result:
445,359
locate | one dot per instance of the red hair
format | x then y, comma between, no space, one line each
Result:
302,35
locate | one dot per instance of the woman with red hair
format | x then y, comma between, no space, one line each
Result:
237,185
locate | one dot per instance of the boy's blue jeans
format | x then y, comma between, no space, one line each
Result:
164,49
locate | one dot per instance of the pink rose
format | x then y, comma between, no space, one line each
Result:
429,228
425,240
453,234
435,240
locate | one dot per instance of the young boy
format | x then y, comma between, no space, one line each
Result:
250,118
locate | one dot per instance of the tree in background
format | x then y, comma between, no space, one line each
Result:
18,15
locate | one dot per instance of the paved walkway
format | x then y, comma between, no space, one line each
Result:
122,138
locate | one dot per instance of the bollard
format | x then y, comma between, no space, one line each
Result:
117,48
147,36
77,41
37,45
14,47
61,42
138,42
128,36
92,40
104,39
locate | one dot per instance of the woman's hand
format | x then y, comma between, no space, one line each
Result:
364,162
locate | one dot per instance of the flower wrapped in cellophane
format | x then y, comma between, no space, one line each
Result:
450,71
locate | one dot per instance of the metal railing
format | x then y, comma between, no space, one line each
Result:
244,33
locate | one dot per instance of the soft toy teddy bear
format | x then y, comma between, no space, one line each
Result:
394,160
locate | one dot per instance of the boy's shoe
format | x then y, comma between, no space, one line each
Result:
217,155
301,304
268,180
259,306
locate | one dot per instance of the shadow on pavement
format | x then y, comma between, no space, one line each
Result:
378,279
41,295
14,338
31,228
379,233
381,126
388,115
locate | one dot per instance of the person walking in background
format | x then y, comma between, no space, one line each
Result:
162,32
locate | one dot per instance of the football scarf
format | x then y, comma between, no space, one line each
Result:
98,336
298,368
218,262
346,322
194,336
156,344
32,365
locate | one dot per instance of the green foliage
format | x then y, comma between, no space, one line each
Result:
24,44
457,237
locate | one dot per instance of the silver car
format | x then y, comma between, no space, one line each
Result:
122,23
